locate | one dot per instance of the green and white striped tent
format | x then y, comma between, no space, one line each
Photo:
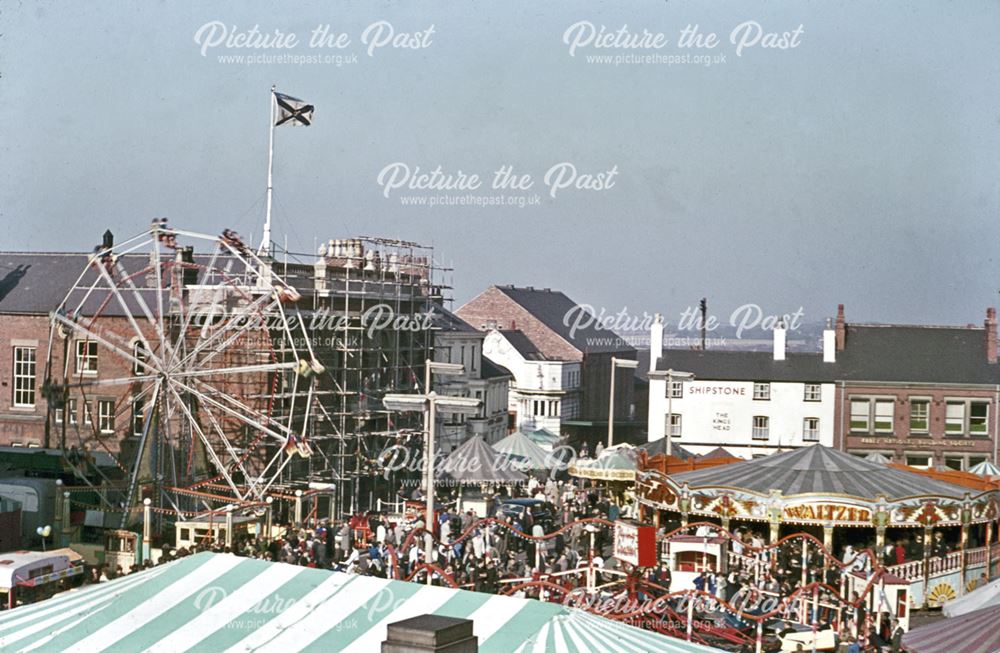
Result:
220,602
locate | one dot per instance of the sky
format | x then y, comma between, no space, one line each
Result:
858,164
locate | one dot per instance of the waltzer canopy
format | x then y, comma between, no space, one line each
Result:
219,602
816,485
819,469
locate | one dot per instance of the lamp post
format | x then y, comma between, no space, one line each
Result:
270,513
67,530
229,525
625,363
298,508
146,529
672,374
429,403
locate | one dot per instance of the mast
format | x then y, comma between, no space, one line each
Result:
265,242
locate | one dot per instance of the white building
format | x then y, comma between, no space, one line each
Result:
750,403
544,391
455,341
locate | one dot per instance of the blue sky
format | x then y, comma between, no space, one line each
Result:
860,167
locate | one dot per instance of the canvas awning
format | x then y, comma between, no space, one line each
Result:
220,602
617,463
519,448
475,462
985,468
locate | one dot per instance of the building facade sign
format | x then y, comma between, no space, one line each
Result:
635,544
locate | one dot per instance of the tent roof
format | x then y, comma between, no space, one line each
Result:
657,447
520,448
819,469
475,462
615,463
974,632
985,468
876,457
218,602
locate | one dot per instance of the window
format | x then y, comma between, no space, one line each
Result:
810,429
859,415
919,460
86,357
674,425
954,462
919,410
978,417
24,377
554,408
140,355
883,415
106,416
813,392
954,418
975,460
88,416
676,389
71,409
138,405
760,427
762,391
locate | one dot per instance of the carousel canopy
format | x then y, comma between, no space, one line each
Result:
985,468
544,438
218,602
975,632
475,462
819,469
876,457
658,447
617,463
519,448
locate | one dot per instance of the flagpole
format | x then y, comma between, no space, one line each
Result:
265,243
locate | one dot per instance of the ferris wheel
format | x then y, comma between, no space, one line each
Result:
193,370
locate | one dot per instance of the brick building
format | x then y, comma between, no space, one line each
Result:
547,319
32,285
926,396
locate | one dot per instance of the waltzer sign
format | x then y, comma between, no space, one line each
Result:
826,512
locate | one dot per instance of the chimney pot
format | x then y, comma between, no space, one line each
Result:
109,240
841,328
991,335
779,342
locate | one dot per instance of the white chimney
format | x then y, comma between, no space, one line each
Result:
779,342
829,343
655,341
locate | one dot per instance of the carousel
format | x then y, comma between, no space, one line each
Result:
842,500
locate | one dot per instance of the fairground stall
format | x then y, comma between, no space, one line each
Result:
943,537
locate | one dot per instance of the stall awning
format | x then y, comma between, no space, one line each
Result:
218,602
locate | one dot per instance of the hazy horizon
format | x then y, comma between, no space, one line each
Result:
859,167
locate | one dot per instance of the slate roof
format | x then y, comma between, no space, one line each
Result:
493,371
551,307
520,341
822,470
721,365
36,282
448,321
916,353
879,353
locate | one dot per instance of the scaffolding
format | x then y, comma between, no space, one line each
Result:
367,306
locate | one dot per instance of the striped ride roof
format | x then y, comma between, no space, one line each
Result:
217,602
819,469
975,632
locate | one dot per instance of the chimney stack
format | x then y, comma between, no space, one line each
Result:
841,328
991,334
655,341
829,343
779,342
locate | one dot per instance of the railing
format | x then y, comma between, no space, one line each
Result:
914,570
